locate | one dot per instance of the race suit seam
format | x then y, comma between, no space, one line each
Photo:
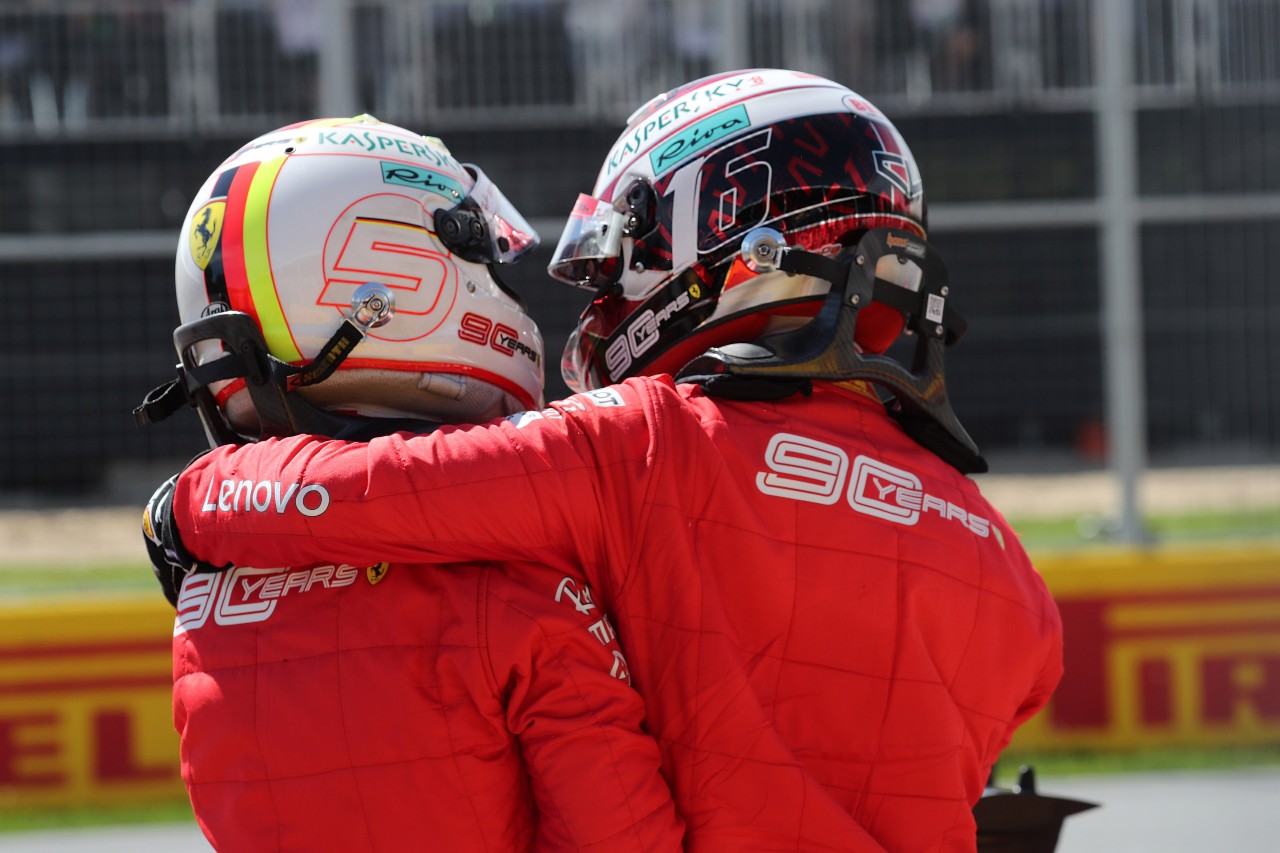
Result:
347,731
567,628
483,621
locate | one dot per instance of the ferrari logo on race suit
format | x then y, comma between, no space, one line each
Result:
206,228
377,573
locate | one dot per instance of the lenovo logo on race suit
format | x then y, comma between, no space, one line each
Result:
803,469
242,595
270,496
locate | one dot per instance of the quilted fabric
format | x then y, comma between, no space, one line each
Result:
397,708
834,633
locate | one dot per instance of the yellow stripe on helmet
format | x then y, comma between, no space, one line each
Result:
257,263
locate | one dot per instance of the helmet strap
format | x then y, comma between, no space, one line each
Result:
824,348
269,381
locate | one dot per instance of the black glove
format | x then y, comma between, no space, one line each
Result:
169,560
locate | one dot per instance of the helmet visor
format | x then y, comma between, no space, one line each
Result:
575,364
590,250
484,227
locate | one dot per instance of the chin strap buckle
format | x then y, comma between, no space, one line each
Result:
372,305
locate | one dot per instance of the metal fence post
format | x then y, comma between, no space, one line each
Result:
1121,279
337,96
730,16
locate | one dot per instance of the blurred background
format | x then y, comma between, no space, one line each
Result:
1103,179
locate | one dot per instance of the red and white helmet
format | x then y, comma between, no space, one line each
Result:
659,237
291,226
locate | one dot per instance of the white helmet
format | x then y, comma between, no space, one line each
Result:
359,257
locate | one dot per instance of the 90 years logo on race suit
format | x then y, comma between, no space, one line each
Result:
804,469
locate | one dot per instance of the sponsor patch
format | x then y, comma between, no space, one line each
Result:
803,469
698,136
421,178
377,573
605,398
425,147
265,496
244,595
147,528
206,228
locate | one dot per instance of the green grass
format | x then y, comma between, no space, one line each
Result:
1048,765
178,811
1255,522
21,581
1076,532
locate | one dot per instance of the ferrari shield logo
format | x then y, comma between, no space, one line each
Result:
206,228
377,573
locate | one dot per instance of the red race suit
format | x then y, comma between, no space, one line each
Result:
337,707
834,632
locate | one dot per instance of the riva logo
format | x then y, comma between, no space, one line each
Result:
266,496
804,469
